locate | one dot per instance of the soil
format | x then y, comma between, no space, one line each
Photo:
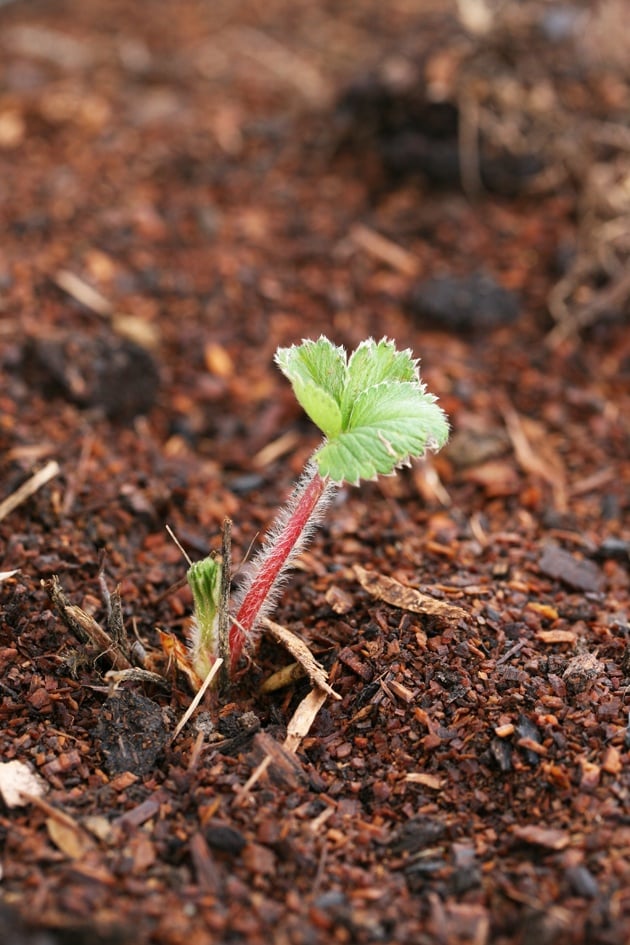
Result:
184,188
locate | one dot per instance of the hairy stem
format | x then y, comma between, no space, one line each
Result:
286,539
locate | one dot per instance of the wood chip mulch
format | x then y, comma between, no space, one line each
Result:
184,188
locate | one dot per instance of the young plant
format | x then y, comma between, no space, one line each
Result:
376,415
209,581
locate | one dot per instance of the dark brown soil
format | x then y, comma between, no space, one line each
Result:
228,177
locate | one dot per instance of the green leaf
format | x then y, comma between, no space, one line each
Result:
389,424
317,371
373,408
372,363
319,405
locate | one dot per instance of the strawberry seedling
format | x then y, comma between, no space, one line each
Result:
376,416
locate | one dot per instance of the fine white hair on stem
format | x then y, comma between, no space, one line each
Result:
260,559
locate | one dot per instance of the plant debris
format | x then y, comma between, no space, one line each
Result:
408,598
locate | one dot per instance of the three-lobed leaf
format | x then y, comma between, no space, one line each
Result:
372,408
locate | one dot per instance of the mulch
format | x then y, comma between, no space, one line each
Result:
184,188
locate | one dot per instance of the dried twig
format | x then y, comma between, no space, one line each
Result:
83,293
253,779
535,462
278,760
136,674
28,488
84,626
568,320
280,61
128,326
216,666
78,476
384,249
468,144
275,450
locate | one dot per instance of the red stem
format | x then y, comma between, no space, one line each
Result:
272,565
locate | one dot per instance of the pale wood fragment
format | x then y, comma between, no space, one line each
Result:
303,717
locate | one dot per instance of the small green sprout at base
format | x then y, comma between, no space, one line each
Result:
204,578
209,581
376,416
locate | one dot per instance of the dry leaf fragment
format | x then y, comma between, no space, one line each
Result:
69,837
283,677
178,658
407,598
63,830
17,780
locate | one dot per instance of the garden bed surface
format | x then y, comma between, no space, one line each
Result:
184,188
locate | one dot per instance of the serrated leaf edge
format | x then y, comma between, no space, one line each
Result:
282,359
